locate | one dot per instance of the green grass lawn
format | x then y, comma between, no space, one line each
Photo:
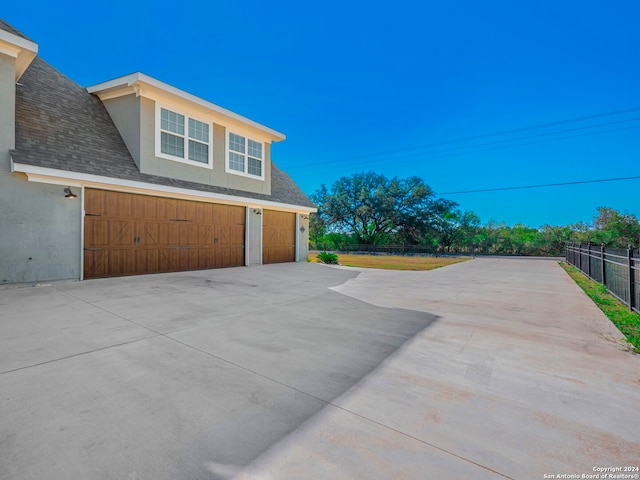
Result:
627,322
393,262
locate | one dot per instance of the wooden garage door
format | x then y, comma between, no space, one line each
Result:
129,234
278,236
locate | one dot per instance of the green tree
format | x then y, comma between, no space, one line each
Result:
374,208
615,229
455,229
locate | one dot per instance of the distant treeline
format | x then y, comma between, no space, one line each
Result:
371,210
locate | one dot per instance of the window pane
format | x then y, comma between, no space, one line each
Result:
171,121
198,152
255,166
236,162
198,130
255,149
236,143
172,145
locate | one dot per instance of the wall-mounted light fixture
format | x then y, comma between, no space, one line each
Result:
304,217
69,193
257,211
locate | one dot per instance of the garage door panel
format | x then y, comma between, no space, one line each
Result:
278,236
168,233
98,229
149,233
188,234
127,234
167,208
121,233
121,262
205,235
95,263
147,260
186,210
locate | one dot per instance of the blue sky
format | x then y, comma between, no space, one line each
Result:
401,88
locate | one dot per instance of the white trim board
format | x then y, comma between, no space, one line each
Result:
74,179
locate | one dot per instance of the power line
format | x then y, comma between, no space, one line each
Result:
309,173
504,143
540,185
446,154
502,132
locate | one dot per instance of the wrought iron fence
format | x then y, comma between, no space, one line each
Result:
617,269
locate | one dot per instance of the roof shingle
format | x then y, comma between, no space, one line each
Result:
8,28
60,125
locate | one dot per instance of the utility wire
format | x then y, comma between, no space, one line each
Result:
498,144
540,185
308,173
502,132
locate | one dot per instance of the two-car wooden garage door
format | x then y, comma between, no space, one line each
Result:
131,234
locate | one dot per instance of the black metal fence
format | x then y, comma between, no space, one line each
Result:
617,269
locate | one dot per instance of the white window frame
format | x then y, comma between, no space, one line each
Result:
228,150
187,116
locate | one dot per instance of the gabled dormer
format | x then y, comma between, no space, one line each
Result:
174,134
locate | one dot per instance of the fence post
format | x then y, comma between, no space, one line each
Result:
589,259
604,274
580,256
631,276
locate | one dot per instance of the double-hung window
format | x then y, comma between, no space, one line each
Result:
183,138
245,156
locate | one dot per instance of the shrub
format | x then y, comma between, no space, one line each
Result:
328,258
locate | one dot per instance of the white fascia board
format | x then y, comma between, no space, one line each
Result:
19,42
128,82
23,50
74,179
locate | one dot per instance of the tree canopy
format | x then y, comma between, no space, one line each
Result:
372,207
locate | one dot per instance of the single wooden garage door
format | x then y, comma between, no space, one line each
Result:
278,236
129,234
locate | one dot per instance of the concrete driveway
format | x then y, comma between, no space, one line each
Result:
493,368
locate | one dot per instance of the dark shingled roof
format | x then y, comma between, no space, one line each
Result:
60,125
8,28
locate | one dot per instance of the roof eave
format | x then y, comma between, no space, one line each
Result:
75,179
23,50
136,83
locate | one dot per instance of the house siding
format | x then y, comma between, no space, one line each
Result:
135,118
254,229
41,231
7,110
302,240
125,112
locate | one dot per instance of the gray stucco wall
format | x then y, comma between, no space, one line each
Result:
255,236
7,110
124,109
125,112
303,237
40,231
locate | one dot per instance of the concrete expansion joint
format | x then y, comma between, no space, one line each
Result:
351,412
110,312
79,354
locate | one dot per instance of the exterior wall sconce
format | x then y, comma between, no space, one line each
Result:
257,211
304,217
69,193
